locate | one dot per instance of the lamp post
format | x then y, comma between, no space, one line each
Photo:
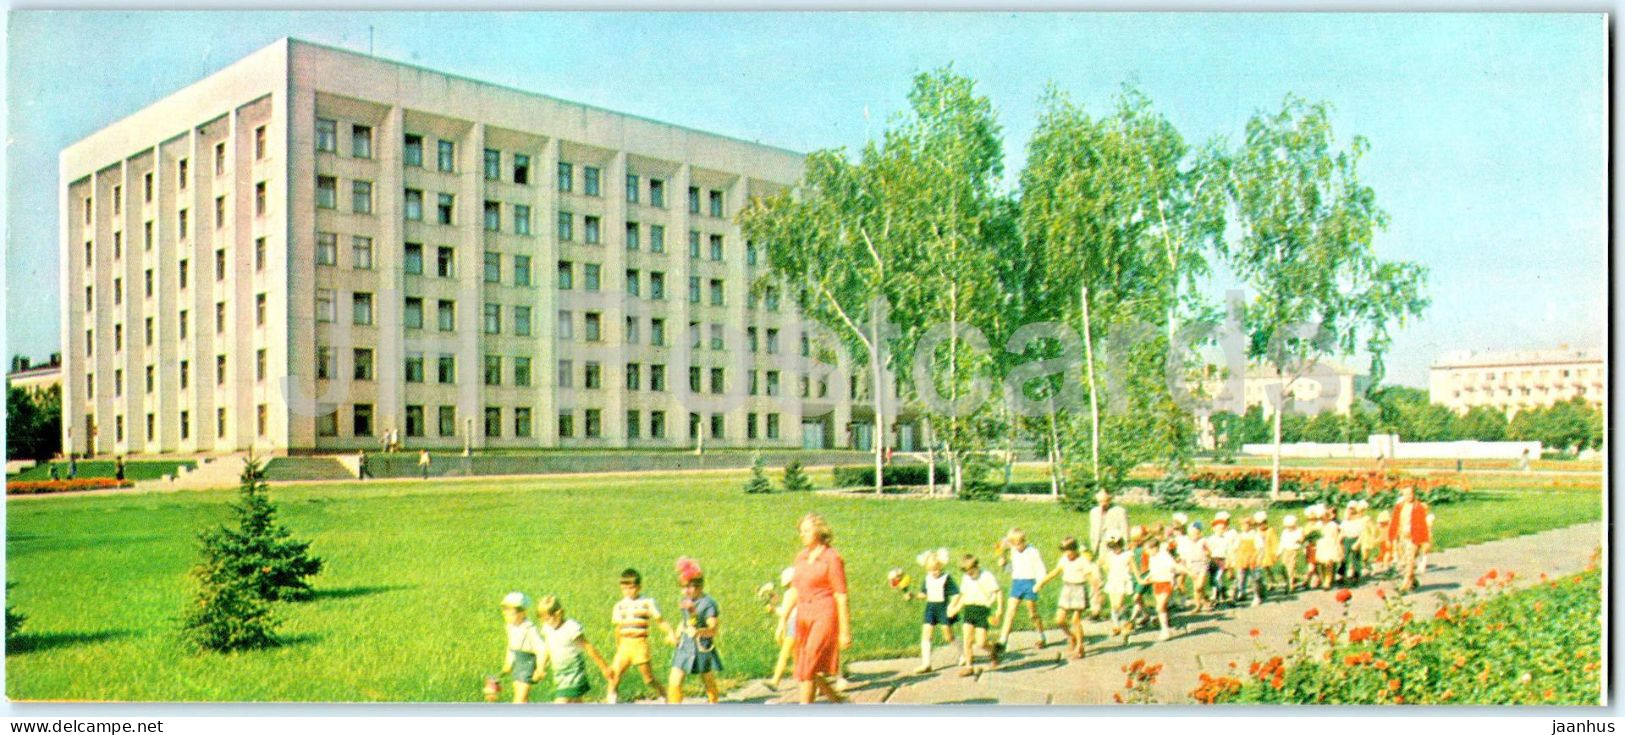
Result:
468,436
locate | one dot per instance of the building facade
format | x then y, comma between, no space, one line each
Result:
313,248
1512,381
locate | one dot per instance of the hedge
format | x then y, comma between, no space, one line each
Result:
910,474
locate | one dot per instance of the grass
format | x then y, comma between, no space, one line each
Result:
407,609
133,470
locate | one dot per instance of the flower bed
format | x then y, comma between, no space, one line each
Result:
46,487
1540,645
1333,487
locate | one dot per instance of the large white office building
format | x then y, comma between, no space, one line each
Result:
312,248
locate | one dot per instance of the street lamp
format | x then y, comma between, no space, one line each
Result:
468,436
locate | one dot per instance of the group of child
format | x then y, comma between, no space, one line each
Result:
560,645
1127,578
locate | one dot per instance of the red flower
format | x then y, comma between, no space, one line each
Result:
1311,613
1359,634
1406,618
1442,614
1491,574
1393,685
1280,681
1254,632
1343,596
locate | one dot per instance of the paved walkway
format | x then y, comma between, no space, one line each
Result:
1202,643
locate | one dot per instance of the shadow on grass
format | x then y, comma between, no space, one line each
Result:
975,700
35,642
344,593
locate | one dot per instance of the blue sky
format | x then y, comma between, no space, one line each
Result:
1487,131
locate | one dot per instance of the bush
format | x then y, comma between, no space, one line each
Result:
1541,645
795,479
1173,490
757,484
45,487
908,474
229,616
14,619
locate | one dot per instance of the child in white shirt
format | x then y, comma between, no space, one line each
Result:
1026,568
976,606
1074,569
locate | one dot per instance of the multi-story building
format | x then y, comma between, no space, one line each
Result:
35,378
312,248
1512,381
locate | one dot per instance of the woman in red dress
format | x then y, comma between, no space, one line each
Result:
823,622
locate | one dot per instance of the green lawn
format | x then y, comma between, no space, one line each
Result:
135,471
408,609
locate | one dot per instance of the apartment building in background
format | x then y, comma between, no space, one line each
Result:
313,247
1511,381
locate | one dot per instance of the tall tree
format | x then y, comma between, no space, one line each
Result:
1305,250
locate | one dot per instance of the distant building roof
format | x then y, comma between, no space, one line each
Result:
1505,358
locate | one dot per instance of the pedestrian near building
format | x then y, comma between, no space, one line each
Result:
361,471
423,463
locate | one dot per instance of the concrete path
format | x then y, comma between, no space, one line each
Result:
1202,643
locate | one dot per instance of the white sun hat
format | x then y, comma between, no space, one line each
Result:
1289,521
1261,517
516,599
1223,515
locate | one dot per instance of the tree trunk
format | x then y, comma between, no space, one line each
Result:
1094,397
1275,456
879,398
930,458
1054,453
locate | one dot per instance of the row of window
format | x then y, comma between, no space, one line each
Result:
181,176
361,415
182,225
184,423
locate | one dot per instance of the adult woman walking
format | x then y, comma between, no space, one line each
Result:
823,622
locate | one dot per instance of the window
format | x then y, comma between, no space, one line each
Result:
493,318
414,205
589,174
443,210
412,153
448,421
327,423
521,168
716,203
521,422
716,247
594,421
327,248
493,216
521,321
521,219
361,197
448,156
750,338
412,260
259,310
521,270
414,421
118,200
632,188
414,368
181,219
567,426
148,283
750,426
566,325
631,330
657,285
693,426
413,315
146,187
632,421
259,143
219,159
493,267
566,177
325,363
772,341
694,379
146,236
219,370
657,377
754,383
693,200
259,254
363,419
566,275
493,164
772,426
694,335
118,382
591,276
716,292
445,262
718,384
186,424
592,376
694,244
446,315
118,245
219,317
180,176
183,324
327,135
693,289
771,296
361,252
594,326
327,192
657,193
361,141
566,227
634,375
590,228
219,270
220,421
631,236
259,370
657,238
716,426
361,308
219,218
521,371
446,370
772,382
363,364
716,337
493,370
566,374
632,283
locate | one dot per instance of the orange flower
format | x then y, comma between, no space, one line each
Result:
1380,665
1442,614
1280,681
1382,594
1393,685
1406,618
1359,634
1253,632
1343,596
1311,613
